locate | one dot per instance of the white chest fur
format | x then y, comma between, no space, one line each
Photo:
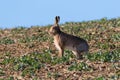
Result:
56,44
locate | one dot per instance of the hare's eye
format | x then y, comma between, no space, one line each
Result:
54,28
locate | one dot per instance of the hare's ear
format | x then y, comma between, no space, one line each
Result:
57,19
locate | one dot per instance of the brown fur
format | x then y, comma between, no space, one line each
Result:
63,40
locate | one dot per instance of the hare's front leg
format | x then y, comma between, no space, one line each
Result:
59,48
61,52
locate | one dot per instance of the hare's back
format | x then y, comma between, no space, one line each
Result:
73,42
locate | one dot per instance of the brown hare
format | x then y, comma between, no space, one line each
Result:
66,41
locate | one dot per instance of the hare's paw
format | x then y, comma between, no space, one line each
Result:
78,55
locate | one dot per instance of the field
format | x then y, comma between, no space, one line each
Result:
29,53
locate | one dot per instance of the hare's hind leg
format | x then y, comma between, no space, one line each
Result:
78,55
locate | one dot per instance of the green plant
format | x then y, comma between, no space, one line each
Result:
8,60
113,56
19,29
79,67
11,78
99,78
6,41
1,72
115,37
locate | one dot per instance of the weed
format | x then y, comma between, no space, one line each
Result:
6,41
113,56
100,78
1,72
79,67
